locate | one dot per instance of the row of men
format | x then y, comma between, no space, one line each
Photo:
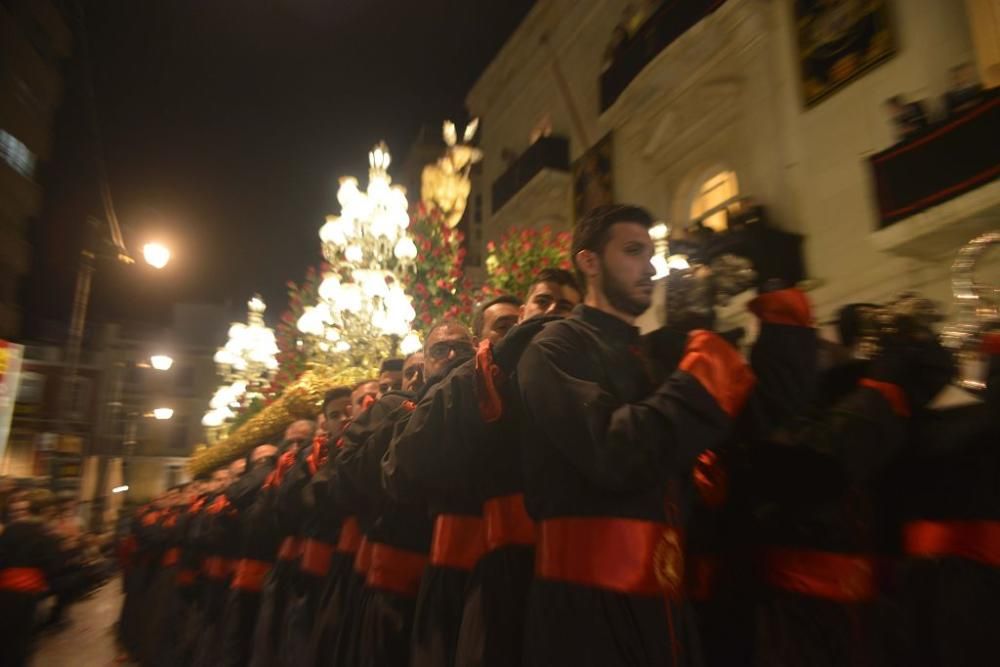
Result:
552,488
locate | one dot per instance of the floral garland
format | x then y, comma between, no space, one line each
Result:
437,283
514,261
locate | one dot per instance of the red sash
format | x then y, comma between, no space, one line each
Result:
363,559
622,555
350,536
250,575
216,567
507,522
171,556
23,580
316,557
459,541
396,570
186,577
972,540
291,548
822,574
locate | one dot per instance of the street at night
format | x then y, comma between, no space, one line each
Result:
541,333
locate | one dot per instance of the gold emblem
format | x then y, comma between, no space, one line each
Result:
668,561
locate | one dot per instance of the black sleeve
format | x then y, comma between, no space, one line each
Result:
430,454
784,360
620,446
842,445
242,492
359,462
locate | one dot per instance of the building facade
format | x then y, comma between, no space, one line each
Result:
109,437
696,106
34,39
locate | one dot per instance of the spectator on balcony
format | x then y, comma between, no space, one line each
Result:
909,118
965,91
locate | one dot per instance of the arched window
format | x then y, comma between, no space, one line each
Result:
715,191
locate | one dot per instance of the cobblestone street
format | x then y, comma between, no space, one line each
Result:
88,639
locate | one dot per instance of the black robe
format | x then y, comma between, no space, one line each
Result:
601,439
221,545
136,578
26,548
951,474
258,542
425,465
279,588
304,587
400,530
328,522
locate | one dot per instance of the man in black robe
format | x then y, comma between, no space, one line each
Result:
607,456
220,545
317,529
29,558
254,559
324,497
416,473
488,431
275,538
816,463
948,497
379,627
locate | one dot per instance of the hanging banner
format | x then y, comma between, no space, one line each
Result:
11,355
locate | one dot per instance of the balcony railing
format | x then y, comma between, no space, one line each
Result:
660,30
946,160
546,153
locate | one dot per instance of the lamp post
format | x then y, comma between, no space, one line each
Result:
94,248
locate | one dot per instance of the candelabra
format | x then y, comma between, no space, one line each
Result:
363,314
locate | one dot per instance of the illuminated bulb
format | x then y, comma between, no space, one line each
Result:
161,362
163,413
678,262
659,263
329,288
156,255
405,249
354,254
659,231
410,343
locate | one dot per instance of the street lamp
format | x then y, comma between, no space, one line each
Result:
163,413
156,254
161,362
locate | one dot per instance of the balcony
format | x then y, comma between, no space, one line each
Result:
670,21
548,154
936,190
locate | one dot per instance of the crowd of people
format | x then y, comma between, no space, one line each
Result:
47,561
553,488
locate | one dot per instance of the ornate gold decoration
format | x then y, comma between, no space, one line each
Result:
668,561
445,184
301,400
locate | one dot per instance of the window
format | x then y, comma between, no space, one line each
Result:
16,154
714,193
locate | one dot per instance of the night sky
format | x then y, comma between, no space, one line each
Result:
225,125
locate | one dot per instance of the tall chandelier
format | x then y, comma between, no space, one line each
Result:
246,363
363,314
